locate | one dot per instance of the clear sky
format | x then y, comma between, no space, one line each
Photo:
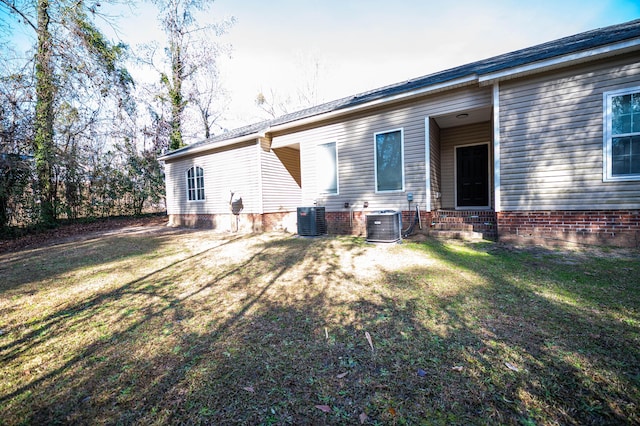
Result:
365,44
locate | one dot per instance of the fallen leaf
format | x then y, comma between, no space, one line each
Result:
363,418
324,408
457,368
482,350
511,367
368,336
249,389
392,411
421,372
342,375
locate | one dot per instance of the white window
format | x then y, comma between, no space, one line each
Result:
389,160
327,168
195,184
622,135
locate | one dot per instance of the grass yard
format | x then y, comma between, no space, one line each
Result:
164,326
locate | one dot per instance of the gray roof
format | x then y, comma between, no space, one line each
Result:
556,48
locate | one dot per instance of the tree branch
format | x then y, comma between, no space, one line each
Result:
13,8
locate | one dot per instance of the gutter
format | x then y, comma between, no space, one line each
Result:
210,146
447,85
561,61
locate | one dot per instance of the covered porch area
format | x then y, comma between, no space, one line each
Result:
461,173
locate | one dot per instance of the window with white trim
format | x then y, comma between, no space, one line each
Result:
622,134
389,160
195,184
327,168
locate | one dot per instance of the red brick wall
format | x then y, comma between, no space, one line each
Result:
341,224
281,221
337,222
246,222
616,227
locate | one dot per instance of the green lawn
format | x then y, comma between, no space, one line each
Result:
176,326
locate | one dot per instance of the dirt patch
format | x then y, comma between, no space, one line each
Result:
77,231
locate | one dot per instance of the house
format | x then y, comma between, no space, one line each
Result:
541,144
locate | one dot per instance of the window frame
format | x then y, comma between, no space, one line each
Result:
375,160
196,189
607,144
322,191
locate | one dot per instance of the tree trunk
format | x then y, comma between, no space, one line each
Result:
177,106
43,139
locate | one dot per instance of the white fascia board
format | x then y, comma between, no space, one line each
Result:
211,146
446,85
565,60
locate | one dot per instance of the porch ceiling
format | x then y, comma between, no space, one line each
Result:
464,117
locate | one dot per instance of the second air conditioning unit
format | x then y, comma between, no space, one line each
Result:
384,226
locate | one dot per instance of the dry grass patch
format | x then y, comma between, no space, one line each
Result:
192,327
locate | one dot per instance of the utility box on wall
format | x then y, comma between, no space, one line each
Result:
384,226
311,221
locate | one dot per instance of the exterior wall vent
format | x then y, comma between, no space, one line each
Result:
384,226
311,221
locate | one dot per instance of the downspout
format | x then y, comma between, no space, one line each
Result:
427,163
496,147
260,191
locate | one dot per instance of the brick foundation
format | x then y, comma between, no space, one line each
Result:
613,228
338,223
610,228
244,222
342,223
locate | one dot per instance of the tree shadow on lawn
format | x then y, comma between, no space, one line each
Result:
270,338
146,334
574,341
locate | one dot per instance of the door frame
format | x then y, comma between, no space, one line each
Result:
455,177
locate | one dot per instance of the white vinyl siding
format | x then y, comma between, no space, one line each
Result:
551,130
225,170
622,134
354,137
389,160
280,168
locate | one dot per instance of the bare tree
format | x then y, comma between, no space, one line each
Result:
186,63
302,94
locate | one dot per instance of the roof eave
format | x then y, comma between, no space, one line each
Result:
612,49
482,79
438,87
211,146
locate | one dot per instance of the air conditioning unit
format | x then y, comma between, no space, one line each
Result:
311,221
384,226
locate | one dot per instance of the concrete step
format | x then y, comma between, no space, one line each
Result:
456,234
456,226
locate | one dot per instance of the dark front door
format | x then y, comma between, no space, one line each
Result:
472,176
